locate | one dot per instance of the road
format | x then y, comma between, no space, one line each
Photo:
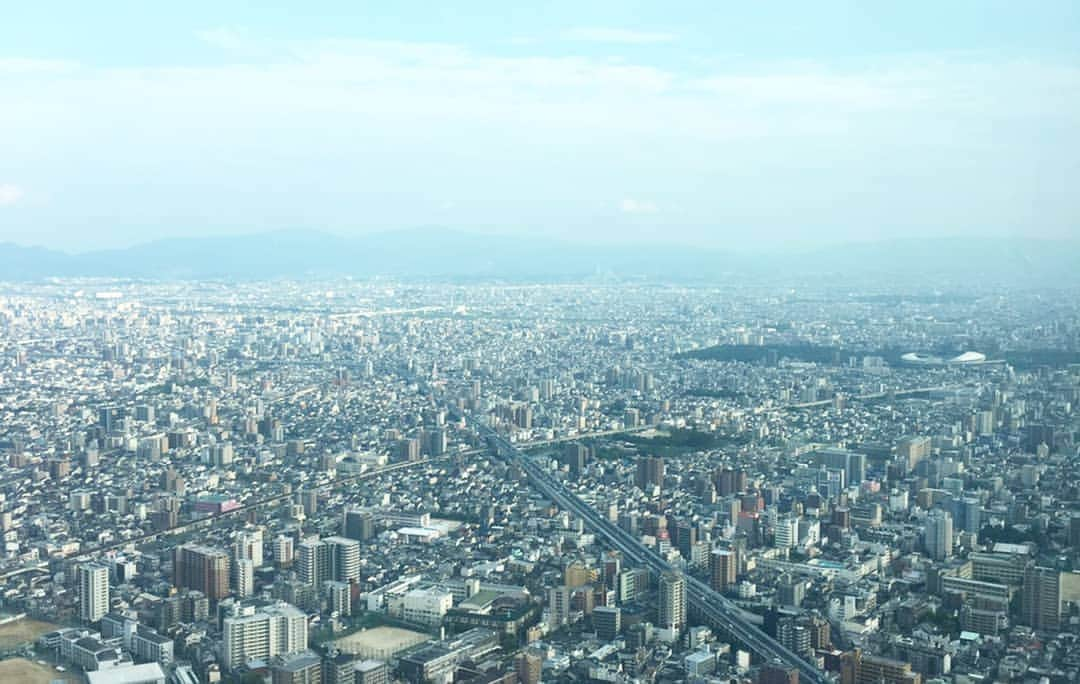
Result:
719,611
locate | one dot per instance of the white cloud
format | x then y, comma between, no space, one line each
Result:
18,65
635,206
10,194
236,41
597,34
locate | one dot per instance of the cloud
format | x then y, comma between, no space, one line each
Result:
636,206
235,41
617,35
10,194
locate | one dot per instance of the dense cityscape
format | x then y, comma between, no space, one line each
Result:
369,481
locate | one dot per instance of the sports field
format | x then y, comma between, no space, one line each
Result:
19,632
380,642
29,672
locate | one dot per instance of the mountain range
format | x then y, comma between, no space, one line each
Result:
448,254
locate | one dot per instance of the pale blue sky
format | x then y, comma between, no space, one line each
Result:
714,123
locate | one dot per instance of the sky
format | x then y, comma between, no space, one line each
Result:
727,124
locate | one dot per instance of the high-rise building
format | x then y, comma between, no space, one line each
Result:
650,472
249,546
938,535
93,591
559,605
339,669
244,577
202,568
333,558
313,562
263,634
1041,598
852,463
723,568
283,551
359,524
339,597
528,666
344,559
607,621
672,613
911,450
687,535
786,532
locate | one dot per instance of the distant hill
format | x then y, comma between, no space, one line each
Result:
439,253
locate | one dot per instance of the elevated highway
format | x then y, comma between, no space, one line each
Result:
720,612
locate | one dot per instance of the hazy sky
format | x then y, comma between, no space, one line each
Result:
718,123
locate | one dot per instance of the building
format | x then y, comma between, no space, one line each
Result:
339,668
426,606
528,665
283,551
559,605
359,524
967,513
344,559
202,568
938,535
912,450
607,621
249,546
786,532
263,634
304,667
149,646
650,472
858,668
244,577
93,591
1041,602
672,612
313,562
339,597
723,566
1002,568
333,558
147,673
372,672
778,673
